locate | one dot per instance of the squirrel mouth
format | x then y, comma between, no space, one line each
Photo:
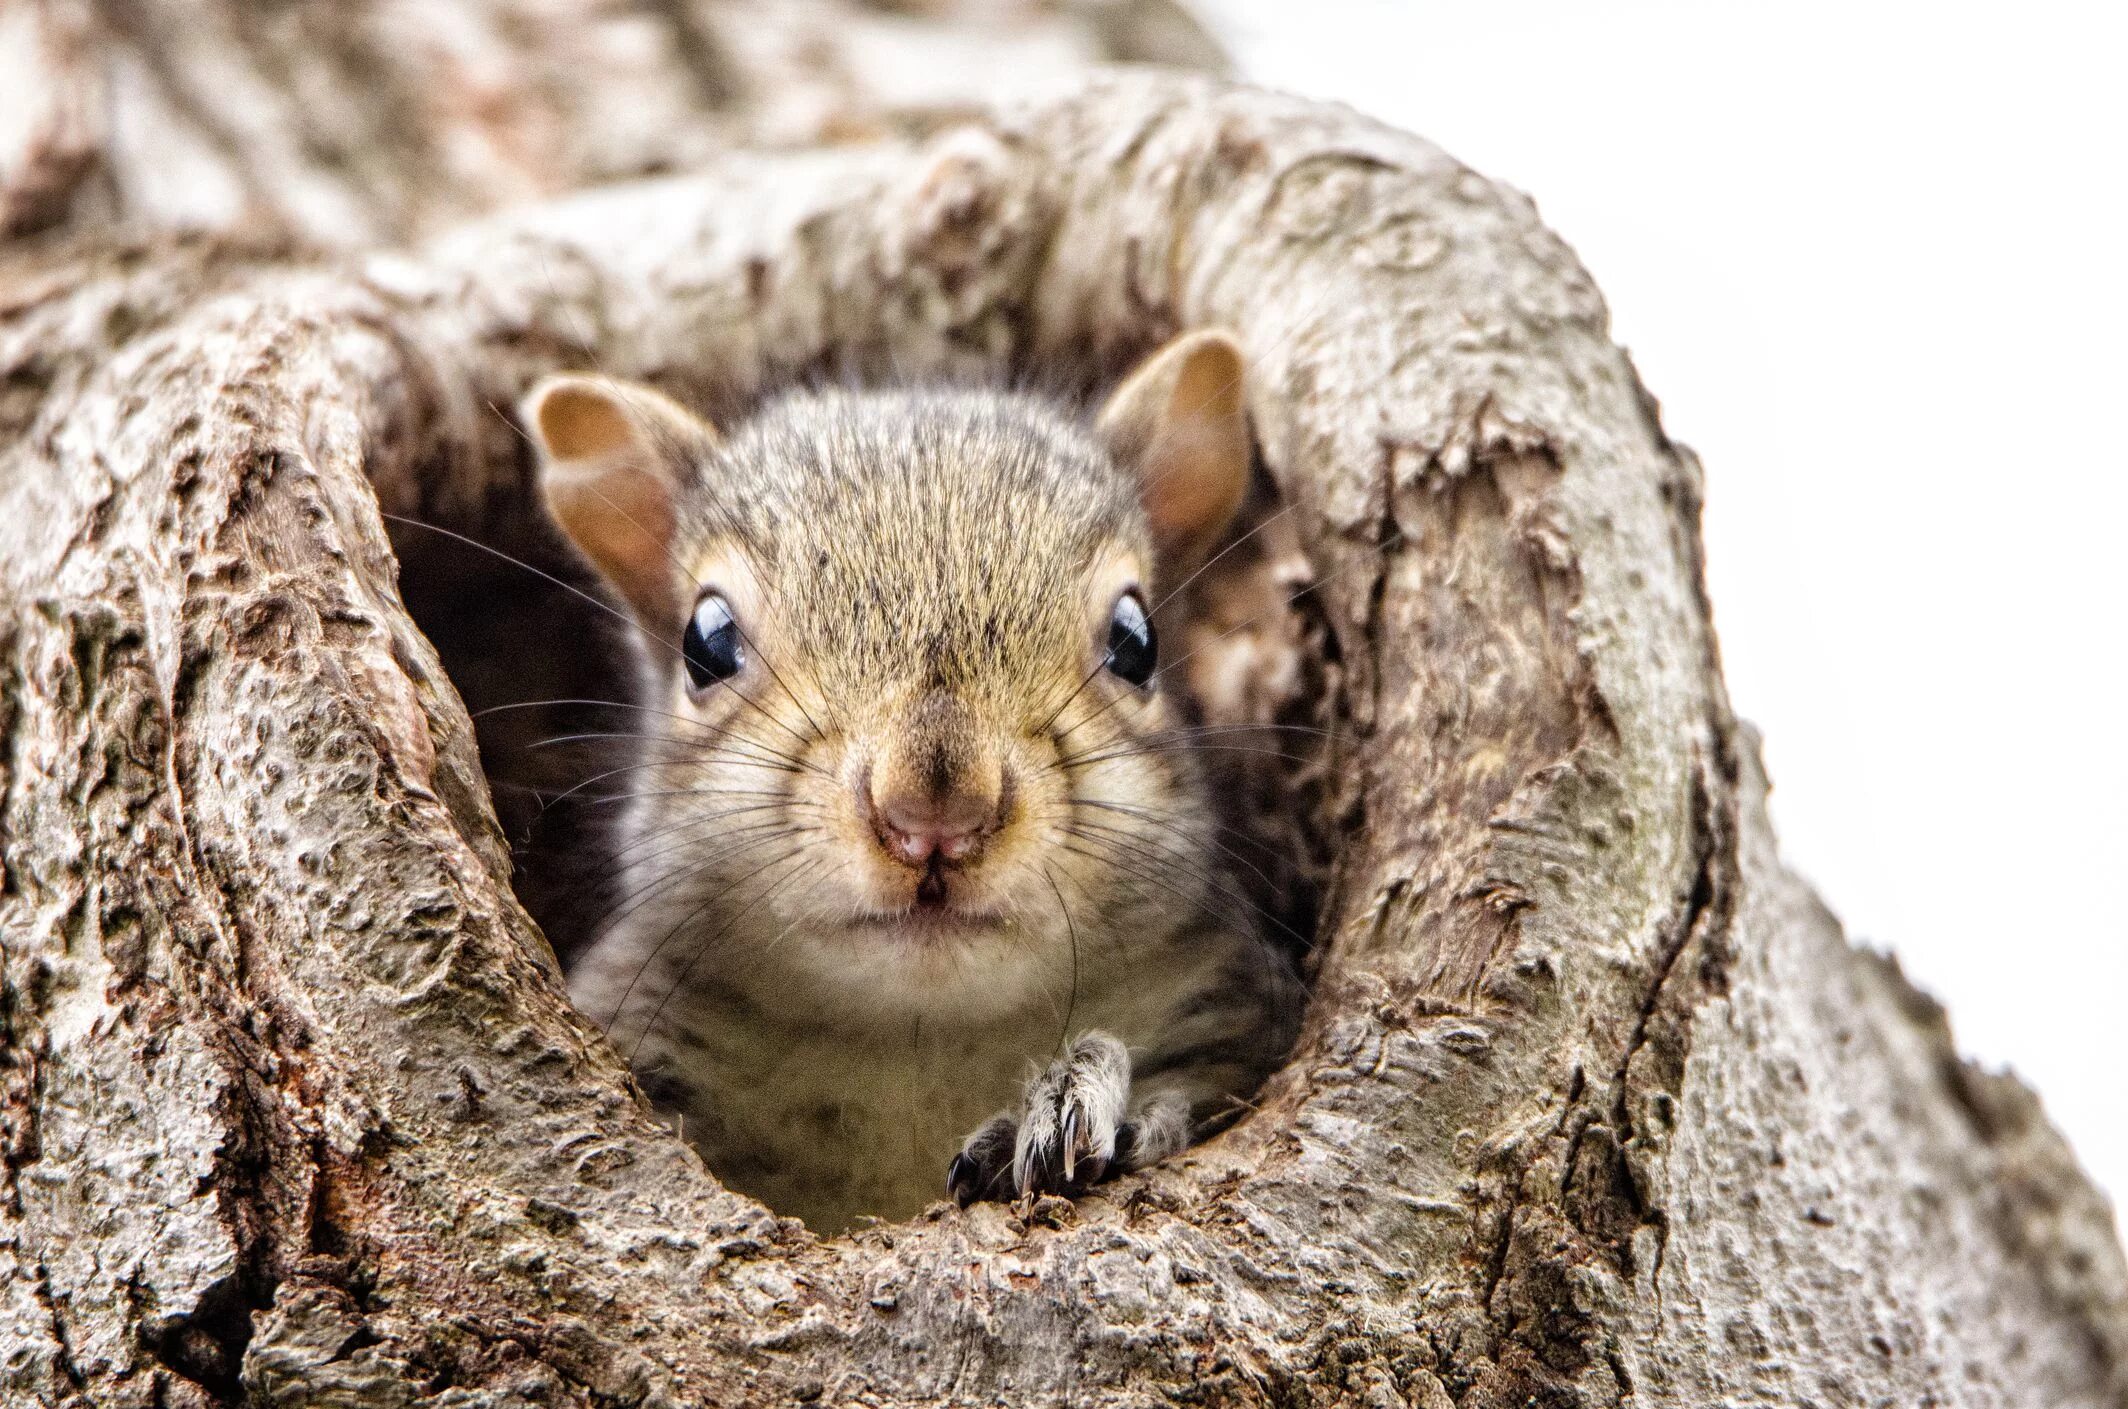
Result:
931,890
938,906
930,919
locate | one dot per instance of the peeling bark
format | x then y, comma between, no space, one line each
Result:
1595,1105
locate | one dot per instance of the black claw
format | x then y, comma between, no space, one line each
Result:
964,1180
983,1168
1126,1146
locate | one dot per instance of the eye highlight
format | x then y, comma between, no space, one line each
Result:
1132,649
711,645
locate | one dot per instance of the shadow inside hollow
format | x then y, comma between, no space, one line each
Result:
532,658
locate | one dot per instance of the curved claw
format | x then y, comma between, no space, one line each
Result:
985,1161
964,1180
1062,1139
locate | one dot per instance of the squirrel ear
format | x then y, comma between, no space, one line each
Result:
1179,420
612,457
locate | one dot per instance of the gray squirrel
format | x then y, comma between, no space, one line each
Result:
923,894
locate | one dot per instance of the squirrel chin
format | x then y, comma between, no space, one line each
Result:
966,972
929,923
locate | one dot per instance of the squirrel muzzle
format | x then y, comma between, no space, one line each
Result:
938,790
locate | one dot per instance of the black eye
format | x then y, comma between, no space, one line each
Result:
1131,648
711,645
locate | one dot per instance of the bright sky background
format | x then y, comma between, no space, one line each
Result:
1871,258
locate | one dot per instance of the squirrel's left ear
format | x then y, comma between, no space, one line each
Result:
613,455
1179,422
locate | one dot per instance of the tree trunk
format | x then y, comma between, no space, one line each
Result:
1594,1104
354,121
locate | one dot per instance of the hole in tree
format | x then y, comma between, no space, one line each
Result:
545,658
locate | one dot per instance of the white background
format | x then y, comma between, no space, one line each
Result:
1870,257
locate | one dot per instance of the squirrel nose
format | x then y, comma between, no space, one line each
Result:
951,827
940,789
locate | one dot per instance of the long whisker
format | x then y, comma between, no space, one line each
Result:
1206,566
751,644
702,724
571,588
1185,835
1137,749
771,801
702,949
1165,598
1193,731
1313,585
664,878
660,881
689,747
672,647
591,350
1240,834
608,799
1060,1013
705,820
1106,857
649,960
740,762
1166,738
1091,833
1292,332
1071,931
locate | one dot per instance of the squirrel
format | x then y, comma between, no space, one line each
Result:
921,893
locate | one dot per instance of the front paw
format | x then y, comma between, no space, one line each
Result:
1065,1137
1070,1117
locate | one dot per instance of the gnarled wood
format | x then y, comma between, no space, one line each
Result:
1594,1104
355,121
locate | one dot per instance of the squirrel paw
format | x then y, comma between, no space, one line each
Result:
1066,1137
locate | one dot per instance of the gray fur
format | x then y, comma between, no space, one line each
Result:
899,547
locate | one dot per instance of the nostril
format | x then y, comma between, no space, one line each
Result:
914,830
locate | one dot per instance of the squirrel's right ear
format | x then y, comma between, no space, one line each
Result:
1179,422
613,455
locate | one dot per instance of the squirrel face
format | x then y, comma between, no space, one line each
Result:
904,745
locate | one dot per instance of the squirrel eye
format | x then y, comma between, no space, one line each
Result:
1132,649
711,645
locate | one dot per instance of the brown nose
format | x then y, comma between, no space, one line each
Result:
915,828
939,790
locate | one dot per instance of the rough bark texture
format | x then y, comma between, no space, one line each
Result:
1594,1106
344,122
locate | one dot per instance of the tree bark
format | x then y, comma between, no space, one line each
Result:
1594,1105
347,123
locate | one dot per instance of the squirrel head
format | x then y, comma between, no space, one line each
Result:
906,709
